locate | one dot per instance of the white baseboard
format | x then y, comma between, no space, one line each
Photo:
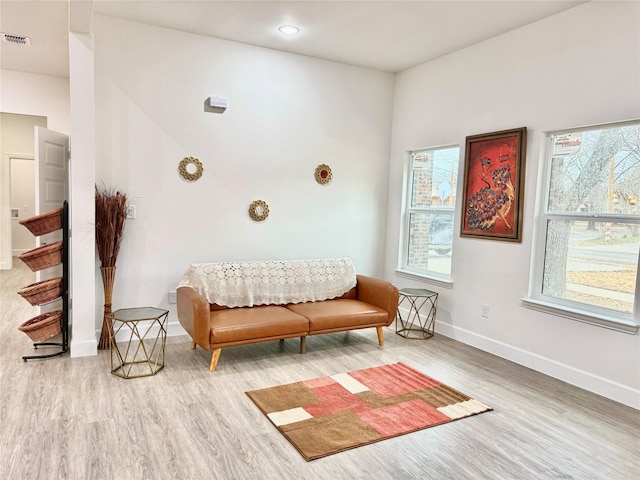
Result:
85,348
174,329
16,252
593,383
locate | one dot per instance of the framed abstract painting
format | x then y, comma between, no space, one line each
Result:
494,185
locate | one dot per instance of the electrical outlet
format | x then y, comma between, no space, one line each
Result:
172,297
131,211
485,311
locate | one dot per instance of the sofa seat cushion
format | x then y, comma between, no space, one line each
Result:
266,321
339,314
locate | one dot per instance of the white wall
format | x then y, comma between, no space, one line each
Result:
31,94
82,194
287,114
576,68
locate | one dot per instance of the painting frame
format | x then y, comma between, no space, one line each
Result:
493,189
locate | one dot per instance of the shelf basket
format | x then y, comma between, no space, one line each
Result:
43,257
43,326
44,223
42,292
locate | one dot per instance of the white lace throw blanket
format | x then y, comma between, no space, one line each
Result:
244,284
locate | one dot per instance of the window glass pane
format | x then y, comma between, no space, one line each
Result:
595,263
435,176
430,241
596,171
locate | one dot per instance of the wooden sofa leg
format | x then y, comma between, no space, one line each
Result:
214,359
193,344
303,345
380,336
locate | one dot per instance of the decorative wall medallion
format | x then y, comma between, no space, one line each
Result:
258,210
323,174
191,168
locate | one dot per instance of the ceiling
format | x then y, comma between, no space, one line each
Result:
383,35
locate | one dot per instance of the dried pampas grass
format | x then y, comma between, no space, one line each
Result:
111,213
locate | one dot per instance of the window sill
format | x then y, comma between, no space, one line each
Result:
423,277
581,316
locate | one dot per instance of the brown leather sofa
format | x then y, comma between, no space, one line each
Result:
371,303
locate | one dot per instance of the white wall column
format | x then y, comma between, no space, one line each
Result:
82,201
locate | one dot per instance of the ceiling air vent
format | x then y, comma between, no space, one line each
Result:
17,39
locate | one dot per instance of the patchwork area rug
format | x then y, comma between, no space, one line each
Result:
328,415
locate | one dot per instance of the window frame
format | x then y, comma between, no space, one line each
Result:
404,269
574,310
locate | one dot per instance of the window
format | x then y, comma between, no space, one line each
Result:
427,240
585,264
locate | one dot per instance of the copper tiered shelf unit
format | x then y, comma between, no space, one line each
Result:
49,324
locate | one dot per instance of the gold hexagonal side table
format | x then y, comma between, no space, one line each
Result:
417,325
142,333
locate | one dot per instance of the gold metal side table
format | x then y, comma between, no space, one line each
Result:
143,334
417,326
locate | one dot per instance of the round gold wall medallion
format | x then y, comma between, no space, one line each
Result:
258,210
323,174
191,168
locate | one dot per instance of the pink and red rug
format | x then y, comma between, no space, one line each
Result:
328,415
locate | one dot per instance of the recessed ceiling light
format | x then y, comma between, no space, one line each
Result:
289,29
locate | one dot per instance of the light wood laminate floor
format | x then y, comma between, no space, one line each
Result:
69,418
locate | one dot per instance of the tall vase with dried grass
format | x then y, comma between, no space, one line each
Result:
111,213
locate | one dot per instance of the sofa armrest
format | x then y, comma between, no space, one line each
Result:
193,314
380,293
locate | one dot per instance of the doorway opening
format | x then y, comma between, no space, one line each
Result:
17,183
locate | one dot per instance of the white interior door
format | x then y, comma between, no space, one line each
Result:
52,183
